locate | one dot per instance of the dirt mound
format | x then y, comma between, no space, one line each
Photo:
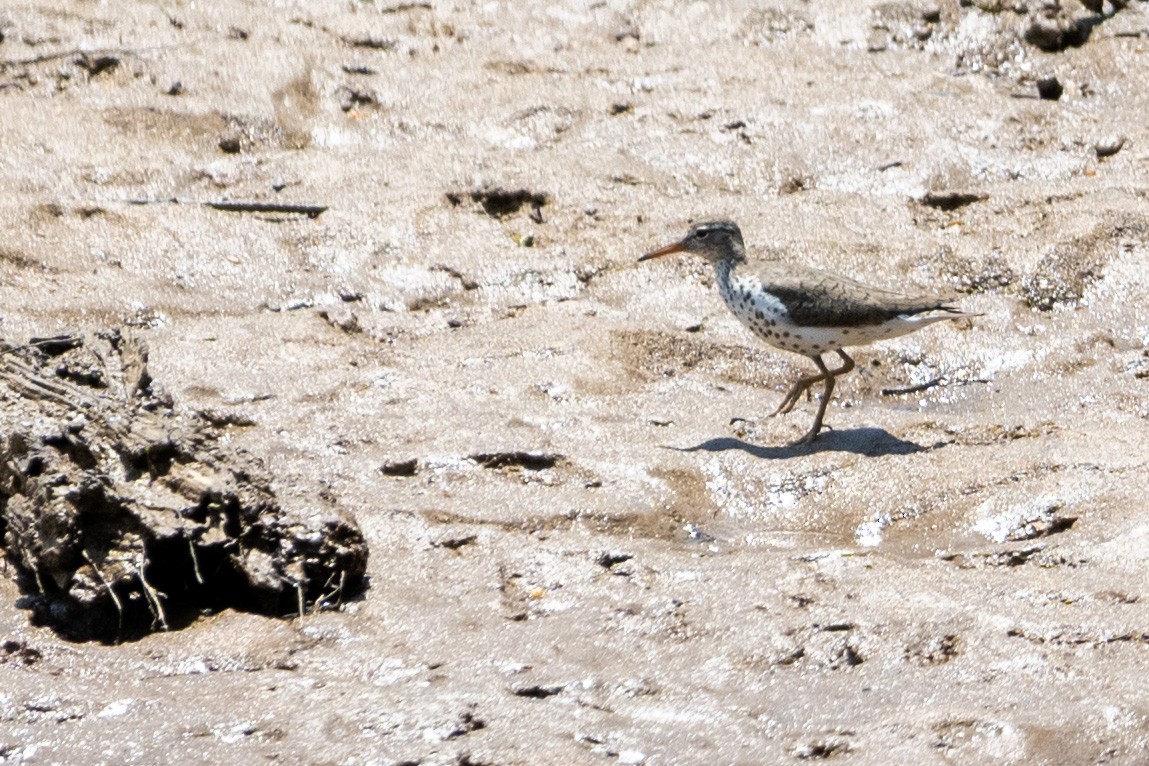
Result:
123,516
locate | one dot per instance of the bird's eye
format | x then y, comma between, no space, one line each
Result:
702,233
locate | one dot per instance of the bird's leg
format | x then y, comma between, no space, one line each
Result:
848,364
800,386
828,375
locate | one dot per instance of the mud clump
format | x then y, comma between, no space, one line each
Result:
122,516
500,203
1061,277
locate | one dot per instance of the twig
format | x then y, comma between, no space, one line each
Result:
22,378
157,608
405,7
311,211
336,591
911,389
195,561
46,57
108,588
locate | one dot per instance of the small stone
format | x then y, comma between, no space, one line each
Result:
342,317
877,41
1049,88
400,467
1109,146
1052,33
229,144
349,295
1044,33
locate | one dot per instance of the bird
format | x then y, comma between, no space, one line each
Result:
805,310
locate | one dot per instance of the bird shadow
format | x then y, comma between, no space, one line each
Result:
871,442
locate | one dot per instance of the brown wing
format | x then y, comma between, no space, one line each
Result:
816,298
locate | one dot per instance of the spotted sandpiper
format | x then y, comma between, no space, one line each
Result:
805,310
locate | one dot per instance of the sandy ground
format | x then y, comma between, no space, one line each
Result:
643,572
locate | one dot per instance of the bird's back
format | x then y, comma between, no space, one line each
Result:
816,298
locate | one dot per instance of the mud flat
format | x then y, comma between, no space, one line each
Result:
383,258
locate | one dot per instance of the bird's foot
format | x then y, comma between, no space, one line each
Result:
792,397
807,439
801,386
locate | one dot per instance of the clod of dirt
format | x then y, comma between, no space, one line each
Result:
454,542
121,516
349,98
400,467
225,418
952,200
96,65
537,691
608,559
532,461
990,272
500,203
19,651
1049,89
1048,523
371,43
1061,277
821,749
1053,29
342,318
934,650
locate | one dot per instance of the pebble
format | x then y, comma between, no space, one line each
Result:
1108,146
1049,88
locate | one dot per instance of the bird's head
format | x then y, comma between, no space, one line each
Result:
715,241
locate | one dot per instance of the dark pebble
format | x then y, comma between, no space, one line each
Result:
400,467
1049,88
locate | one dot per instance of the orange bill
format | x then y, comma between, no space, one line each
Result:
677,247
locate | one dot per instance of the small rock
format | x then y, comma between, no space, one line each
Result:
608,559
400,467
1052,33
877,41
1109,146
341,317
229,144
349,98
1049,88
